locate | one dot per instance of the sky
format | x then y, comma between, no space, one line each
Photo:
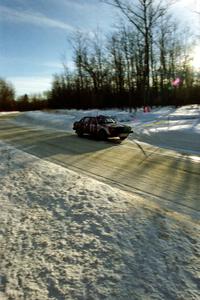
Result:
35,35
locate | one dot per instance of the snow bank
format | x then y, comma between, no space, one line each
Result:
4,113
177,129
66,236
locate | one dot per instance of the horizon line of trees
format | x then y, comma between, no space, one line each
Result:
135,65
9,102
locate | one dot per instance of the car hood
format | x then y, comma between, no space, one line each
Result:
118,126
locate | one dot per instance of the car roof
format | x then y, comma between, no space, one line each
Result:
96,117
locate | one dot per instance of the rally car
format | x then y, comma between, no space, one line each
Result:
102,127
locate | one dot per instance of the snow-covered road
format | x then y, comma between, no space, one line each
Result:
66,236
164,176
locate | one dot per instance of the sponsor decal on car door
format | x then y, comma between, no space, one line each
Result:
93,126
87,125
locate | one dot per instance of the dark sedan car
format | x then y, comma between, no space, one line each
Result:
101,126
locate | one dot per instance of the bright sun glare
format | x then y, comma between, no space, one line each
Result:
196,58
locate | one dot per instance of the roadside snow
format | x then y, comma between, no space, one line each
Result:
177,129
66,236
7,112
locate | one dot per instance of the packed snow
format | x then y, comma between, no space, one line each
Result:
64,236
168,127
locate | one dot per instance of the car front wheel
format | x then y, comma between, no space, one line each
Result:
79,133
123,137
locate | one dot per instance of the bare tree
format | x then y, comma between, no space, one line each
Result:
7,95
90,60
143,15
117,63
80,48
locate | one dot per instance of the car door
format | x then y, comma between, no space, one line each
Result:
93,126
87,125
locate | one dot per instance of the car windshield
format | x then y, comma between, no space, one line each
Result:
106,120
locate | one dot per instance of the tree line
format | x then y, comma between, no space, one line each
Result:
9,101
145,60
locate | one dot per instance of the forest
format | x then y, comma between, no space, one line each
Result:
145,60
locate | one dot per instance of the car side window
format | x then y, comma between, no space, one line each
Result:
101,121
86,120
82,120
93,121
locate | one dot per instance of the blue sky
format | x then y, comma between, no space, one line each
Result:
34,36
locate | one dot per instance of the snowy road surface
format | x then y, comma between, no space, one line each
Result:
164,176
66,236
